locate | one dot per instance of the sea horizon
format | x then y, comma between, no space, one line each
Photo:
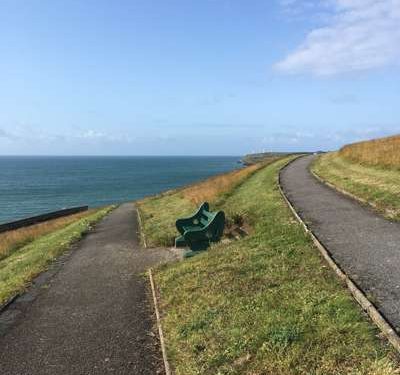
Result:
129,156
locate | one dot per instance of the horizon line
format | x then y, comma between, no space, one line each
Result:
116,155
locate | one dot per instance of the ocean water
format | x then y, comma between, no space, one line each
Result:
34,185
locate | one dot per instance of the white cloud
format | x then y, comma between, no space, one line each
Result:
324,138
3,134
92,134
361,35
29,134
98,136
6,135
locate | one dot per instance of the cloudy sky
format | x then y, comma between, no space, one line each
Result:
162,77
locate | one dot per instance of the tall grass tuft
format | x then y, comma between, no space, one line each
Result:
210,188
383,152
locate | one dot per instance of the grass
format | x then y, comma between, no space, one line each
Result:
378,186
265,304
382,152
26,262
13,240
158,213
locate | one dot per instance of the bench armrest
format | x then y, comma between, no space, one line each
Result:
188,221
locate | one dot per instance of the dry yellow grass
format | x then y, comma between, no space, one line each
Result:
14,239
209,189
384,152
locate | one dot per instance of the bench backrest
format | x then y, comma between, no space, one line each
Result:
213,221
202,219
200,229
206,217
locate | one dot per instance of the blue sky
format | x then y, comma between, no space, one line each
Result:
196,77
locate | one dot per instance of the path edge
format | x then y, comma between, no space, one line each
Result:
345,192
160,330
357,293
142,235
385,213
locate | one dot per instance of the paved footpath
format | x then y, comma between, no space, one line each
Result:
364,244
94,315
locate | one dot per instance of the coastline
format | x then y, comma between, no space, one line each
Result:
33,186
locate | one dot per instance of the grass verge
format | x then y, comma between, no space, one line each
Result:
22,265
12,240
265,304
378,186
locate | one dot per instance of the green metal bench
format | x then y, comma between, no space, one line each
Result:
202,228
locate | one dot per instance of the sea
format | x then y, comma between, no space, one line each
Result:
34,185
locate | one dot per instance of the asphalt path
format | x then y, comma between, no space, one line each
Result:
365,245
93,315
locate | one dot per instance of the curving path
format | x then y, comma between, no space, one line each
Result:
92,316
365,245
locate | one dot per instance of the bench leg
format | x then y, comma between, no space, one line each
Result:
180,242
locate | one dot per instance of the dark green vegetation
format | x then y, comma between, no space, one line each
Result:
25,262
264,304
379,186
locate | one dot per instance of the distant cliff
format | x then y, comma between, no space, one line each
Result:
256,158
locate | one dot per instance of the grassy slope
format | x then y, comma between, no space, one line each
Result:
159,212
158,215
378,186
266,304
383,152
19,268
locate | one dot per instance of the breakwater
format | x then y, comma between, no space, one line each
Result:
41,218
